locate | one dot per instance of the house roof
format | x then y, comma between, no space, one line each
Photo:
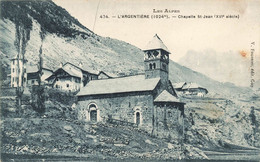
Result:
136,83
47,69
31,68
51,78
89,71
178,85
15,58
33,75
156,43
70,72
34,68
102,72
165,96
192,86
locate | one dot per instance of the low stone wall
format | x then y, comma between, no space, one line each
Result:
8,91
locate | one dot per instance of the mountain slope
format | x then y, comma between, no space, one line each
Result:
224,66
68,40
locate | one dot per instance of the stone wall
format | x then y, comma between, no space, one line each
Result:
160,119
169,120
121,106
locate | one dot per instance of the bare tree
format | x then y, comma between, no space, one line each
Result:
22,36
40,89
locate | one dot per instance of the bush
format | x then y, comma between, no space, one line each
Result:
38,98
66,98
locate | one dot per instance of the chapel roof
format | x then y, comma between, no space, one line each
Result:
136,83
165,96
156,43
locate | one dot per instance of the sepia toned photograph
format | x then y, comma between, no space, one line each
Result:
130,80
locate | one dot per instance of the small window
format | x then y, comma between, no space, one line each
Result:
156,53
154,65
149,54
32,81
150,66
13,69
137,118
57,79
164,66
57,86
68,85
169,114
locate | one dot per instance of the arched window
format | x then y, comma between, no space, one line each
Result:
137,121
164,66
93,113
154,65
150,66
92,106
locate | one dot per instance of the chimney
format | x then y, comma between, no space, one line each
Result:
80,64
61,65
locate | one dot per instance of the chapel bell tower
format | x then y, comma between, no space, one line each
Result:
156,60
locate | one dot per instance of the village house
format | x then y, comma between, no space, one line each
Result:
149,101
15,75
70,77
190,89
31,73
194,89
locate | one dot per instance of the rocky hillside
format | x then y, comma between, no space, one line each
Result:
212,127
57,134
92,141
68,40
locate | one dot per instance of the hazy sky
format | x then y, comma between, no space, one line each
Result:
179,35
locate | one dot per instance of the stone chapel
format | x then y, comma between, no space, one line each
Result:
147,100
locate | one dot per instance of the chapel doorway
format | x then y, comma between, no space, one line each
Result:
93,115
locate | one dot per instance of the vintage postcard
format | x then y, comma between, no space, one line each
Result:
130,80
